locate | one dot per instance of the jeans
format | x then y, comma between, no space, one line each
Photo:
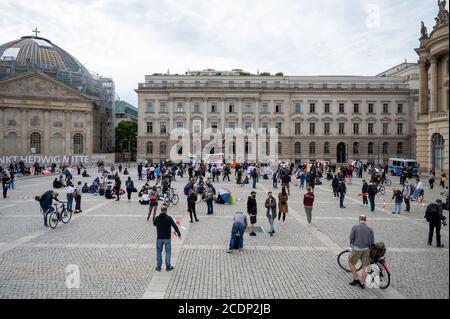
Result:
159,247
274,184
438,233
254,182
407,203
308,211
416,193
209,203
341,200
69,201
372,202
238,228
271,227
397,207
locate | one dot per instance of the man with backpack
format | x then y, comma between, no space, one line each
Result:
434,216
46,202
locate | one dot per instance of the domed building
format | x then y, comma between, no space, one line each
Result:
51,105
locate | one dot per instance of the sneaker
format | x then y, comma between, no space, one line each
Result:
196,220
361,285
271,234
191,221
169,268
252,234
440,246
355,283
229,251
158,269
394,213
278,222
241,249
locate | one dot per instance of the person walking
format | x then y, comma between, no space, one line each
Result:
361,239
432,178
285,180
210,198
254,175
77,195
364,190
342,189
398,200
252,211
164,224
275,179
335,186
308,202
238,230
69,193
443,179
271,206
282,204
406,194
129,184
226,173
117,185
372,192
153,203
192,199
12,176
5,184
434,216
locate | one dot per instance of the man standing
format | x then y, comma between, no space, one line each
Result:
210,198
406,194
364,190
361,238
342,189
117,185
254,175
285,180
252,211
275,179
271,205
164,224
434,216
238,230
5,184
77,193
371,192
308,201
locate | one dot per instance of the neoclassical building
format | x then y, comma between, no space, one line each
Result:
432,119
334,118
50,104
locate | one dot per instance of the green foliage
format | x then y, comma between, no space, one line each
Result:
279,74
265,74
126,131
244,73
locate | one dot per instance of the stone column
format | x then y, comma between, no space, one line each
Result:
188,115
46,148
205,114
222,115
171,111
434,85
257,114
2,125
239,111
423,92
89,140
24,132
68,132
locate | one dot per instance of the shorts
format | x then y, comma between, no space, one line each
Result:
252,219
356,255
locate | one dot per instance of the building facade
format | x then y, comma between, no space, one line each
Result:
125,112
432,119
333,118
50,104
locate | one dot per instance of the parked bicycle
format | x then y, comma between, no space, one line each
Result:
59,214
379,262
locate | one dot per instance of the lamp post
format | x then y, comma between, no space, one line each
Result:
129,153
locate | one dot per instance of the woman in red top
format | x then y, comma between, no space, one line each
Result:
308,201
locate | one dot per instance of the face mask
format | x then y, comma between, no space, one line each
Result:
254,196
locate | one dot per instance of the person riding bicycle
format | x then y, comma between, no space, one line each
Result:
46,203
418,191
361,238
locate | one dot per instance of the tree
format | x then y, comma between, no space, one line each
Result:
126,131
279,74
265,74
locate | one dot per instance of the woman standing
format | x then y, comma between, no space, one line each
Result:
432,178
335,185
192,199
282,204
69,193
153,206
77,193
398,196
5,183
129,186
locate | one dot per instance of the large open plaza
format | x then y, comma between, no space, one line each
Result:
111,246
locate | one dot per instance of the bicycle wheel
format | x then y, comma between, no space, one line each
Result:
175,199
342,260
53,220
385,276
388,182
66,216
382,190
166,201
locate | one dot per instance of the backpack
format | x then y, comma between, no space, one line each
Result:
186,189
373,277
283,200
431,210
377,251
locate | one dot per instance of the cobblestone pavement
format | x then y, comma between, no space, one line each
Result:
113,247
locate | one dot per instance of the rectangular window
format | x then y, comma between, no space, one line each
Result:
248,125
341,108
327,108
326,128
248,84
163,127
180,125
356,128
278,125
312,108
164,84
370,128
214,108
232,125
264,84
356,108
385,128
231,108
278,108
214,126
231,84
248,108
385,108
400,108
180,83
400,128
197,107
297,107
371,108
312,128
341,128
180,107
150,127
277,84
265,127
163,107
298,128
150,108
264,108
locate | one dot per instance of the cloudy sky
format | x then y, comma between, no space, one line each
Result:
127,39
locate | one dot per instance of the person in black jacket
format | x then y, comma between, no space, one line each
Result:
342,189
5,183
365,189
335,185
435,217
372,190
164,224
252,210
191,200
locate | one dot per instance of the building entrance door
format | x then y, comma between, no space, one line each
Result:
341,154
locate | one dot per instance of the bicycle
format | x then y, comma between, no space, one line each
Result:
381,189
384,271
57,215
388,182
170,198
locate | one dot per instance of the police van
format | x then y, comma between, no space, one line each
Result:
396,165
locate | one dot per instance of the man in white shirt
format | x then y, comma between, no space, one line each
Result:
69,192
419,188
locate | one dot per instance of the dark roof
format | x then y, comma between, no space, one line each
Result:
123,107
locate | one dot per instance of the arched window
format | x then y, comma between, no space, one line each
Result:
312,148
385,148
298,148
400,148
326,148
149,148
162,148
280,148
370,148
437,150
356,148
78,144
35,143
